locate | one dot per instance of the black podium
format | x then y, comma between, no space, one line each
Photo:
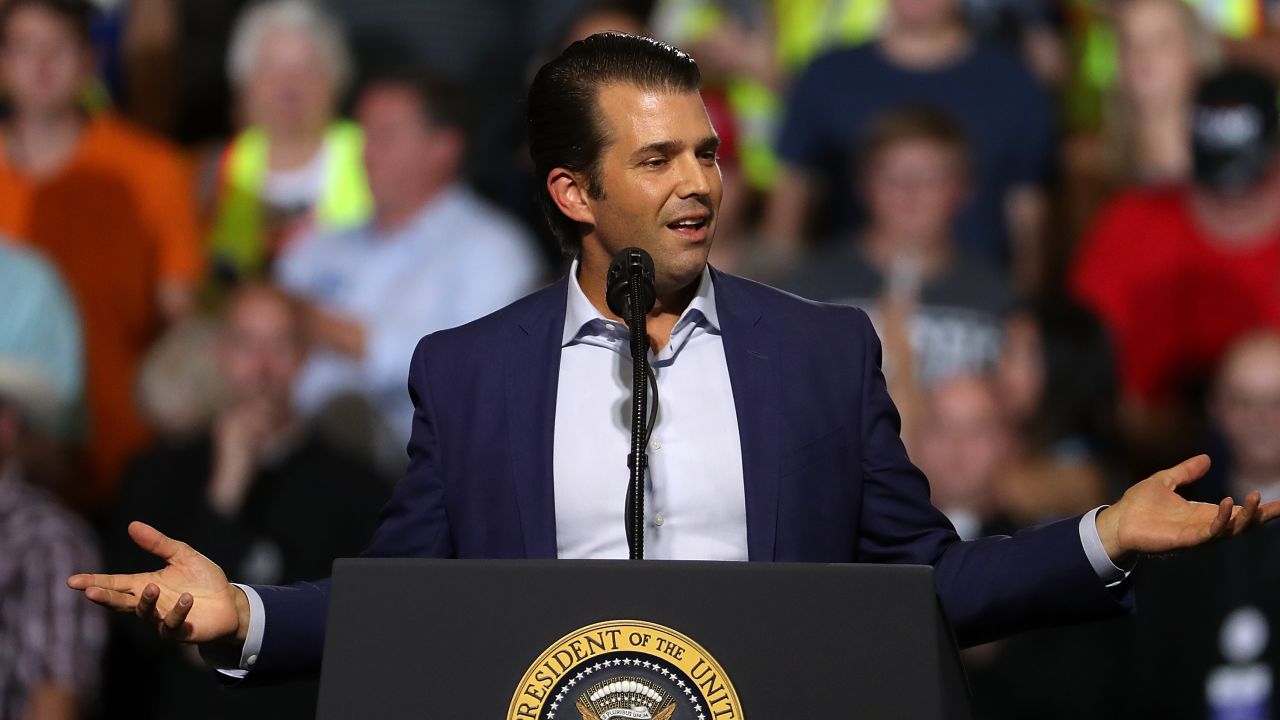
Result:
636,640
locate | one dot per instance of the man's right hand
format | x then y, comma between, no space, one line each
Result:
189,600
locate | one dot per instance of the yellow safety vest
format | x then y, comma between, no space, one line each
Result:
807,27
804,28
237,241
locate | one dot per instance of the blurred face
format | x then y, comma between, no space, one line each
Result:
291,88
1247,406
405,156
660,181
964,444
914,189
43,65
260,350
1156,59
922,14
1020,370
1243,215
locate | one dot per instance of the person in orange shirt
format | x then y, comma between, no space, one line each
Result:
107,203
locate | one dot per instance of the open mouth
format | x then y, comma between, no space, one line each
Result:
689,226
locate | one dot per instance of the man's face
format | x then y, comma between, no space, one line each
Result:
403,153
659,181
291,88
914,189
43,64
1247,405
964,443
922,14
260,351
1156,58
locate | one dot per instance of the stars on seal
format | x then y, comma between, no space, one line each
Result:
558,706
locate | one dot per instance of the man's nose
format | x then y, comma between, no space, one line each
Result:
693,177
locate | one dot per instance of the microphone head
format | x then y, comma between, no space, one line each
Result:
631,265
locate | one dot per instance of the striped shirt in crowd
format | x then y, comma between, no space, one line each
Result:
49,635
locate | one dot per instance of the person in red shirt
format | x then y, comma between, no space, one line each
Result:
1178,273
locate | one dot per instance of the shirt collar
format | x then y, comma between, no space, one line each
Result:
582,319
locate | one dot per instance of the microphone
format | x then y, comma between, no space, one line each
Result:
629,266
630,294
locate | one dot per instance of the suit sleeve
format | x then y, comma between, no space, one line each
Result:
989,587
413,524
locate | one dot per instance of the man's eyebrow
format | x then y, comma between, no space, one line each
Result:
662,147
711,142
671,147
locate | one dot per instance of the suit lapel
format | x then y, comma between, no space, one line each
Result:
532,378
751,353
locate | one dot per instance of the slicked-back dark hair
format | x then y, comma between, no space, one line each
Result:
565,125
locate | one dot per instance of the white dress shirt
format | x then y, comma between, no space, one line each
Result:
695,500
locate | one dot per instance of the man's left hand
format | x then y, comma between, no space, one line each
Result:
1152,518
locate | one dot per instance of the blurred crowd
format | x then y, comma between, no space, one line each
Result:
224,226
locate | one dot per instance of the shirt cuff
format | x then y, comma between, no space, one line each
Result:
1107,571
253,640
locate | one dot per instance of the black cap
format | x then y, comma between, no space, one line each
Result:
1235,130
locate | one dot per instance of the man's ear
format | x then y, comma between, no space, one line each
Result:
569,192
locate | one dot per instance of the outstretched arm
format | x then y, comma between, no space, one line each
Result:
188,600
1152,518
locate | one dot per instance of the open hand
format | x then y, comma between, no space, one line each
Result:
189,600
1153,518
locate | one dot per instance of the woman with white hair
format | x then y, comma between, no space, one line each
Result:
294,166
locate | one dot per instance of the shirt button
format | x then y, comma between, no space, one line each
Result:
251,660
658,520
610,326
655,444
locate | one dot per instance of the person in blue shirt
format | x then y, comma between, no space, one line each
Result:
41,327
433,256
927,58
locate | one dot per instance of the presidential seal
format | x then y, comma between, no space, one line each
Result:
625,670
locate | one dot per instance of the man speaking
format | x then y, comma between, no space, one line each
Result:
776,439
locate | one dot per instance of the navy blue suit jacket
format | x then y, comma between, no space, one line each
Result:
827,479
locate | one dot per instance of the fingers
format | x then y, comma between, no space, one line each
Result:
110,582
155,542
1268,512
1247,515
146,607
113,599
1221,521
175,620
172,626
1185,472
